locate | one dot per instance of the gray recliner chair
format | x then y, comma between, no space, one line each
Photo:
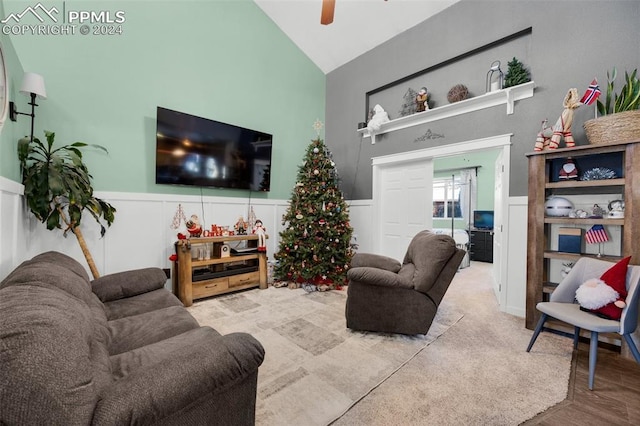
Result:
386,296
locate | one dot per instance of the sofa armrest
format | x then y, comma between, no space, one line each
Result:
375,261
192,373
379,277
128,283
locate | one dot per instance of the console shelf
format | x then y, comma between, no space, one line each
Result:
506,97
222,273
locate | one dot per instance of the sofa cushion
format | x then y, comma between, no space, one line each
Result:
45,356
135,331
128,362
128,283
50,275
57,258
140,304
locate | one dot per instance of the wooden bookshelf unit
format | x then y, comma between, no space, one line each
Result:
204,270
623,156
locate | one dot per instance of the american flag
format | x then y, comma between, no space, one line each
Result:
591,94
596,234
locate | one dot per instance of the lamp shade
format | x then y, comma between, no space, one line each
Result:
33,83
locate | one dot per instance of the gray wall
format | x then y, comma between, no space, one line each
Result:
571,42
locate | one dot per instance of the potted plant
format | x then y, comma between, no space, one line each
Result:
57,187
619,113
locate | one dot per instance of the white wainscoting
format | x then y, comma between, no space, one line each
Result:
141,235
12,227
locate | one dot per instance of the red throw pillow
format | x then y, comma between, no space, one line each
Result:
616,277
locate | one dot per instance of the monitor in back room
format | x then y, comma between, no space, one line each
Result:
483,219
191,150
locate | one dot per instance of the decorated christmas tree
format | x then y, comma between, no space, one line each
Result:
315,247
516,74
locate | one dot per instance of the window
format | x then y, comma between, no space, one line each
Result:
446,198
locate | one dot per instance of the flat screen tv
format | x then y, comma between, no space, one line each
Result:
483,219
201,152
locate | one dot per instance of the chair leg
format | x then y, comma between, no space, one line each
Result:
537,331
632,347
593,356
576,337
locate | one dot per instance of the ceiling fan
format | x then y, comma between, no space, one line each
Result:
328,7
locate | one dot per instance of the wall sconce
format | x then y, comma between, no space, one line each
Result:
33,86
495,77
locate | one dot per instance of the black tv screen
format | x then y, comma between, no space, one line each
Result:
483,219
197,151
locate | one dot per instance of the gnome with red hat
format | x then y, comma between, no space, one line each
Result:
606,296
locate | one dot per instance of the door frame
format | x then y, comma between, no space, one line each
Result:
493,142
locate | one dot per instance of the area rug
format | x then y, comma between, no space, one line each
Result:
477,373
470,369
315,368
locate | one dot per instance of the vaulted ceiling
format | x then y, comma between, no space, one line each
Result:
358,25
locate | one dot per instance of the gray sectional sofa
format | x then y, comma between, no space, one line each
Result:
113,351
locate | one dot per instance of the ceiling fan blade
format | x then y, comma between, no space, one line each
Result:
328,7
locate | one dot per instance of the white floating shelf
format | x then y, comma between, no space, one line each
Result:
506,96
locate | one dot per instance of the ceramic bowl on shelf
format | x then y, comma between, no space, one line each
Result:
558,207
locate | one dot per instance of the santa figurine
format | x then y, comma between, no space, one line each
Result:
260,231
193,226
422,103
569,170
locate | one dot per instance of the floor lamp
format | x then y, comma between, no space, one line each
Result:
33,86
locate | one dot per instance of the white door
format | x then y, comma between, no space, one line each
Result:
404,205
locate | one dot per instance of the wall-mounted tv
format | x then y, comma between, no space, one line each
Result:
197,151
483,219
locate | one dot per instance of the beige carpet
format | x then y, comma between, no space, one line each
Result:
471,368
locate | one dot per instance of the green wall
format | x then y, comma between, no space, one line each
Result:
224,60
486,179
12,131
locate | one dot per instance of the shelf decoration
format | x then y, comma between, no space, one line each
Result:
558,207
516,73
616,209
596,235
598,173
569,171
409,103
457,93
495,77
562,128
506,97
422,100
544,136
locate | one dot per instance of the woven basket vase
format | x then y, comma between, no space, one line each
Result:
618,127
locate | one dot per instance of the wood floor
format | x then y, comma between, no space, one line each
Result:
614,400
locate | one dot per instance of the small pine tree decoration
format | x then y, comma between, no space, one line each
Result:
409,103
315,247
516,73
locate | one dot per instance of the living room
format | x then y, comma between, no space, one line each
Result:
229,61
